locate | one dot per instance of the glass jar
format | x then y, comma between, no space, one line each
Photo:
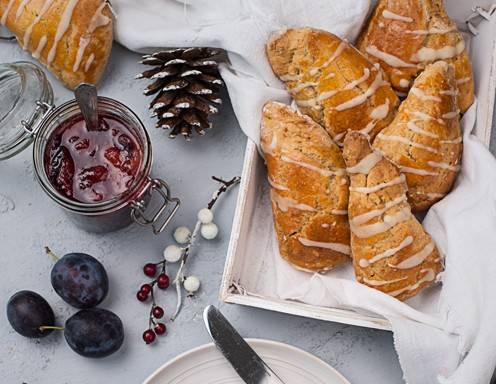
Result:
28,116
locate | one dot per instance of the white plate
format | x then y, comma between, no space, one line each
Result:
206,365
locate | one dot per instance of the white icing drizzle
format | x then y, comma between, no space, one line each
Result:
308,103
269,149
397,180
463,80
415,128
453,168
394,16
97,20
339,212
90,60
285,203
322,171
451,115
415,259
432,31
406,141
290,77
325,95
357,100
367,216
302,86
432,54
422,95
430,195
274,185
429,276
41,45
341,47
341,248
64,23
458,140
364,263
417,171
3,20
21,8
378,113
391,60
339,136
404,83
381,111
449,92
29,29
389,221
366,164
324,225
375,283
424,116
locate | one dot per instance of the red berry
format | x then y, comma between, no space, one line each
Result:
158,312
160,328
163,281
142,296
150,269
149,336
146,288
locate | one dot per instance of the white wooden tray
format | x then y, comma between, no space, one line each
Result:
239,283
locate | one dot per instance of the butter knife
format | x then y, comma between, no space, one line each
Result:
249,366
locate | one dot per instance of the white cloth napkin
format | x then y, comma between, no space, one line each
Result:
445,337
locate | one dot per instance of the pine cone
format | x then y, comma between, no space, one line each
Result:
186,84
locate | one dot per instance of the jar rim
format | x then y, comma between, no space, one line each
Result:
53,120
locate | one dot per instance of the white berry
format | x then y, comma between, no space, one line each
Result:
205,215
172,253
182,235
209,231
191,284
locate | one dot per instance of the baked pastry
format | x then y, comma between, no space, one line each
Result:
391,251
309,189
71,38
332,82
403,36
425,138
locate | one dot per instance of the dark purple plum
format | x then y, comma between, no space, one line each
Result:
27,311
94,332
80,280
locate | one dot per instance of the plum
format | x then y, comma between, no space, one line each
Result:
27,311
80,280
94,332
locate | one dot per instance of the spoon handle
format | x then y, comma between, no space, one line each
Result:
87,98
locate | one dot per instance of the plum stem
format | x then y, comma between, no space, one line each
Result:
53,255
48,327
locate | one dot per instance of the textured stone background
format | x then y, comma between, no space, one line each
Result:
29,221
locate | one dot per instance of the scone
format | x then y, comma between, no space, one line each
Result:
71,38
404,36
332,82
309,189
425,138
390,249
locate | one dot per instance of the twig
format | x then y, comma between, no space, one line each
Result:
178,280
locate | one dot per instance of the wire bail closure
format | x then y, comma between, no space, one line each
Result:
158,220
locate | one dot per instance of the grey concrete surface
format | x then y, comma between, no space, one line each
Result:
29,221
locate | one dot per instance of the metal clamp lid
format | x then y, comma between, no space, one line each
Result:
162,216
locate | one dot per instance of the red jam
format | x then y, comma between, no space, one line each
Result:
92,166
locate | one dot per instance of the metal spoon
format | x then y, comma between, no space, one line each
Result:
87,98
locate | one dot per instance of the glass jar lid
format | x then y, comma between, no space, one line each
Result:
24,93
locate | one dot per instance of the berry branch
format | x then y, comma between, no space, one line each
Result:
172,254
179,279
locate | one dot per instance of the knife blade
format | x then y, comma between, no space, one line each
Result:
248,365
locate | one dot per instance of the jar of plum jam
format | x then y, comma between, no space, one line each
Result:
101,177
